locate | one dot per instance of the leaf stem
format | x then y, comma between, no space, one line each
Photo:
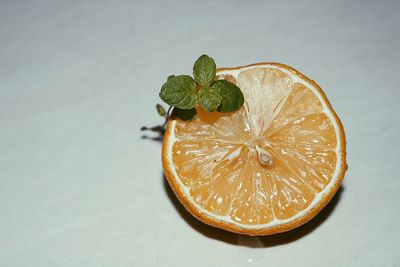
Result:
167,116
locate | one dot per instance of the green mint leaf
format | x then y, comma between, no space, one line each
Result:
180,92
204,70
161,110
232,97
185,114
209,99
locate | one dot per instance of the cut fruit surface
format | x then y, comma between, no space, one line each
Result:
267,168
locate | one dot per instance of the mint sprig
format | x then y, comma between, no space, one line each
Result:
204,70
209,99
231,97
184,93
179,92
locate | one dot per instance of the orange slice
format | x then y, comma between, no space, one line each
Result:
267,168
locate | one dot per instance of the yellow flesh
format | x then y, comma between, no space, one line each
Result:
268,160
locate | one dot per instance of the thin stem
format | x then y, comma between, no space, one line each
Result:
167,116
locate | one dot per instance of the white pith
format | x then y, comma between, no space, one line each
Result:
318,197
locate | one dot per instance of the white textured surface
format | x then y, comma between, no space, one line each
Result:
79,187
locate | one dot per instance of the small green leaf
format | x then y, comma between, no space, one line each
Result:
180,92
232,97
204,70
185,114
161,110
209,99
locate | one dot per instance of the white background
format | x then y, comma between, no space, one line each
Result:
78,185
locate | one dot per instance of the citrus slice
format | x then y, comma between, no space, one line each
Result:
267,168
